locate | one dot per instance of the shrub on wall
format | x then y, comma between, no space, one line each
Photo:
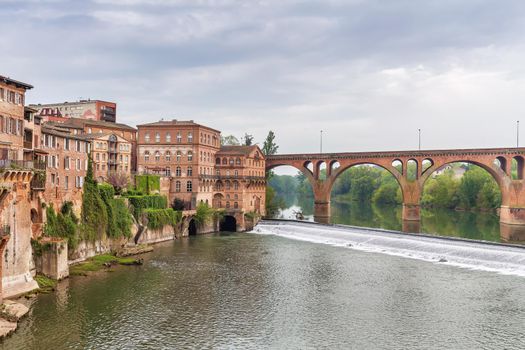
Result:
94,213
158,218
62,224
139,203
121,219
147,183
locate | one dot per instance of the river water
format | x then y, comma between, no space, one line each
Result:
442,222
293,286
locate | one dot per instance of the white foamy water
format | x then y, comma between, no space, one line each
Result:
472,255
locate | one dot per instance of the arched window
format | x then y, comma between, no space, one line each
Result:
224,161
179,137
235,185
189,186
157,137
238,161
231,161
179,154
236,205
168,137
178,171
227,204
227,185
217,161
157,156
146,156
190,137
236,173
168,156
146,137
189,172
177,186
236,196
190,156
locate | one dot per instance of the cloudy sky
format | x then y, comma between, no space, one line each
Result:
368,73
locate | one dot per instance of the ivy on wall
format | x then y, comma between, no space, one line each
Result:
158,218
147,184
139,203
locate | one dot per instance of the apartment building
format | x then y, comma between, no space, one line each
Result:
12,97
82,109
110,154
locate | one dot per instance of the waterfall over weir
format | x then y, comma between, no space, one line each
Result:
498,258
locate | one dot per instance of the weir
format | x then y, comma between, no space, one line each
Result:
493,160
501,258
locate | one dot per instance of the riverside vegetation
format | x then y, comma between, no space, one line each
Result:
461,187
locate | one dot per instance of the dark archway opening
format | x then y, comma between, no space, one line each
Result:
228,224
192,229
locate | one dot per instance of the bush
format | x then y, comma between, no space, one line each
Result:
139,203
179,204
147,183
204,214
158,218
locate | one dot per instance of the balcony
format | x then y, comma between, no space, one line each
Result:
30,165
112,150
28,144
38,182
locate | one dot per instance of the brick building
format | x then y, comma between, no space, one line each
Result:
110,154
200,170
12,97
240,179
88,127
66,156
83,109
181,150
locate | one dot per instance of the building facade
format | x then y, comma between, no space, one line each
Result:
66,158
180,150
83,109
12,97
111,154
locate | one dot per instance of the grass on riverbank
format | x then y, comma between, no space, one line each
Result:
45,284
100,262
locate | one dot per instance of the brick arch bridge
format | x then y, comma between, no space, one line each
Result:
496,161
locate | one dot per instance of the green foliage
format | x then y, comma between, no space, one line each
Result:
273,202
99,262
45,284
269,146
203,214
139,203
147,184
441,191
94,213
107,191
158,218
248,139
63,224
229,140
121,219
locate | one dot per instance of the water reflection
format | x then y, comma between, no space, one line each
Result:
443,222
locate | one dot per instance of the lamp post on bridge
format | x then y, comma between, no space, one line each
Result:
517,133
321,143
419,139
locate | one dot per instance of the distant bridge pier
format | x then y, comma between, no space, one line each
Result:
322,211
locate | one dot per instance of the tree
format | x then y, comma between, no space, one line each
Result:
94,213
248,139
270,147
119,181
229,140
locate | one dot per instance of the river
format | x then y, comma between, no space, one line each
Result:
442,222
264,290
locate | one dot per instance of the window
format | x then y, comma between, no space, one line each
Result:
236,196
168,156
179,137
189,186
235,185
66,163
97,157
190,156
168,137
66,182
236,173
227,185
146,156
179,154
224,161
190,137
177,186
178,171
238,161
157,156
227,204
146,137
231,161
66,144
236,205
218,161
157,137
189,172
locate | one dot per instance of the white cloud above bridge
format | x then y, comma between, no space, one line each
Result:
369,73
